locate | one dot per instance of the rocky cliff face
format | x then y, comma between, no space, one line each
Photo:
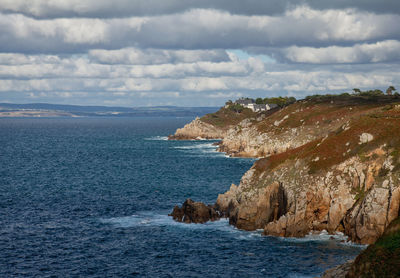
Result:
354,197
347,181
198,129
212,126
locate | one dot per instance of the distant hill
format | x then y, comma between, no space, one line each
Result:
60,110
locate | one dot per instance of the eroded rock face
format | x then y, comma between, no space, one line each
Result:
197,130
245,140
351,197
195,212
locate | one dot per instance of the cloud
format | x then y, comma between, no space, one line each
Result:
136,56
49,66
127,8
193,52
385,51
196,29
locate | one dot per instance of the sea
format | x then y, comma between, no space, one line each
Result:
90,197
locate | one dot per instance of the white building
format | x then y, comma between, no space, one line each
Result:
251,104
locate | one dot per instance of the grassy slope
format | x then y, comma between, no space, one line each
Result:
224,118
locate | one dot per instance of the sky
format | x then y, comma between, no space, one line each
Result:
193,52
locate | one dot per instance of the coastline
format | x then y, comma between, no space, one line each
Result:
300,184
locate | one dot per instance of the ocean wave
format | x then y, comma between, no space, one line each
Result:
209,146
157,138
324,236
142,219
157,219
200,149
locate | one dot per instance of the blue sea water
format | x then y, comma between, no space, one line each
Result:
89,197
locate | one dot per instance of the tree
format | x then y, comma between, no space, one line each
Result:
291,100
259,100
390,90
229,102
356,91
236,108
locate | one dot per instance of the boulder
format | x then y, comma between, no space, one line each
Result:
195,212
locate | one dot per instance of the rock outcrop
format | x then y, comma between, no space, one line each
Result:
195,212
197,129
350,197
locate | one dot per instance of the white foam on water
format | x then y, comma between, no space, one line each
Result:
295,275
150,219
139,219
157,138
196,146
201,149
324,236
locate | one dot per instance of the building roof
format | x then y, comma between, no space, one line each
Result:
245,101
259,106
272,105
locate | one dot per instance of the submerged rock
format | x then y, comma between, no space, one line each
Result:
195,212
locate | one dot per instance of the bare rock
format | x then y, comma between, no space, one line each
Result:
366,137
194,212
197,129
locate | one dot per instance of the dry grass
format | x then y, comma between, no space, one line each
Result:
224,118
383,124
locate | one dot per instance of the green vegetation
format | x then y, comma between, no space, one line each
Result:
280,101
227,117
237,108
358,94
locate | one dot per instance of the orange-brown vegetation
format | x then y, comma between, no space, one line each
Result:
224,118
381,121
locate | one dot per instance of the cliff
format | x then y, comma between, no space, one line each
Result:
326,164
212,126
198,129
323,177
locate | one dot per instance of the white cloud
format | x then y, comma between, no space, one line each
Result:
136,56
126,8
196,29
385,51
36,66
225,96
197,52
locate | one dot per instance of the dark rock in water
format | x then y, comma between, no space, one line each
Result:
195,212
219,143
